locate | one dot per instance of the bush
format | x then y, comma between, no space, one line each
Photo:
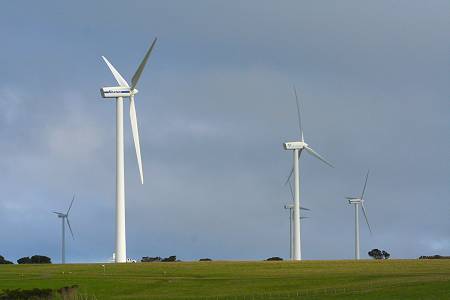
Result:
3,261
275,258
378,254
151,259
169,259
434,257
24,260
26,294
35,259
67,292
205,259
159,259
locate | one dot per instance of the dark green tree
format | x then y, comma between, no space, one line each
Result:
3,261
24,260
40,259
169,259
375,254
275,258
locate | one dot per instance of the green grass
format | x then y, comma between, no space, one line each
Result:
392,279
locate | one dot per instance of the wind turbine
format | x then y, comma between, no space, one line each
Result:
65,218
119,92
357,201
291,207
297,148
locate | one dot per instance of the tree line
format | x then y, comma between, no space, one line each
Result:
35,259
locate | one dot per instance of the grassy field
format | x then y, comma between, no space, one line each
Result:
392,279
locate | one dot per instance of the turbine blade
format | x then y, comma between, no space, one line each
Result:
288,180
301,218
70,228
141,67
292,171
314,153
365,183
365,217
119,78
300,127
55,212
304,208
134,129
70,206
292,193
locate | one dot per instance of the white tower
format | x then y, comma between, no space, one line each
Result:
356,201
64,219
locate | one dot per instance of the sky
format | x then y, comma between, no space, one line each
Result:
215,104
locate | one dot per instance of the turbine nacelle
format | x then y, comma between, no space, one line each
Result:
117,91
295,145
60,215
354,200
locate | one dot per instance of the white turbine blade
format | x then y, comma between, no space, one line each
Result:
141,67
119,78
304,208
292,171
70,206
314,153
365,217
298,115
292,193
288,180
301,218
134,129
58,213
365,183
70,228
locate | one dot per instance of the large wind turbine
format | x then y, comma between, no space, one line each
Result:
119,92
297,148
357,201
65,218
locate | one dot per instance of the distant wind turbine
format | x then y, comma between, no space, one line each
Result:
357,201
119,92
65,218
297,148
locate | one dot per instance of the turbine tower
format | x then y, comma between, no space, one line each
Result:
119,92
357,201
65,218
297,148
291,207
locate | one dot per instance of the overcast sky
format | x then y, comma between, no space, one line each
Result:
214,107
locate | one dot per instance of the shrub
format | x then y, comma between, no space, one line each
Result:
205,259
3,261
275,258
26,294
24,260
151,259
40,259
378,254
434,257
169,259
35,259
